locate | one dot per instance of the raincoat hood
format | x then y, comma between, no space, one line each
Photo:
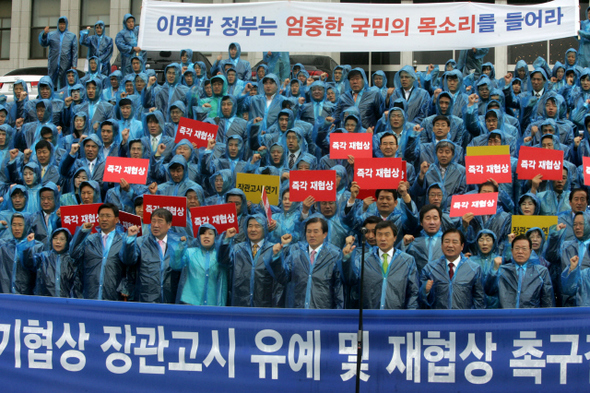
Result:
177,159
494,247
535,201
240,193
68,239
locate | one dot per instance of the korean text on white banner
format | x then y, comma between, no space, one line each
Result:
338,27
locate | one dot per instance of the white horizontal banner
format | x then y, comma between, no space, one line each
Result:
337,27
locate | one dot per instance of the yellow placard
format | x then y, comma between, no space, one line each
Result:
252,187
488,150
521,224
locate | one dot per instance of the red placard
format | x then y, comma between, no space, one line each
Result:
319,184
74,216
378,173
176,206
133,170
365,193
586,163
128,220
478,204
481,168
357,145
222,217
533,161
195,131
266,205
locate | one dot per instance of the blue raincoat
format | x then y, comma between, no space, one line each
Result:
463,291
56,271
251,283
156,281
100,46
204,277
241,66
63,52
15,276
126,40
369,102
101,268
533,290
419,100
317,285
395,289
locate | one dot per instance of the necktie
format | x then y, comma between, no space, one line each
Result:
291,160
581,250
162,246
312,256
385,264
104,240
154,143
43,171
254,250
355,96
520,275
91,167
451,270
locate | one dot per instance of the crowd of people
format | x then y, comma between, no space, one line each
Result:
273,120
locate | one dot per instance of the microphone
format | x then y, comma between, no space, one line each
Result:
364,230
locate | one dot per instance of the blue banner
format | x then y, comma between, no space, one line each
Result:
59,345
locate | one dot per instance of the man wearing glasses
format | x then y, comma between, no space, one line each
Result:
522,283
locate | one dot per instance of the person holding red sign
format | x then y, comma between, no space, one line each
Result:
153,254
102,269
310,270
176,111
94,162
385,206
452,281
390,279
444,170
204,276
499,223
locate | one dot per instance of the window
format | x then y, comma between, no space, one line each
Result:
44,13
5,17
135,11
91,11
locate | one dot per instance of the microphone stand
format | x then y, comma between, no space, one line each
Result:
359,352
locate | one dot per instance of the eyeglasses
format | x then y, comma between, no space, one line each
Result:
107,216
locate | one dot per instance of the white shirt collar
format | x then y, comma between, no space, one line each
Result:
317,249
455,262
389,254
260,244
